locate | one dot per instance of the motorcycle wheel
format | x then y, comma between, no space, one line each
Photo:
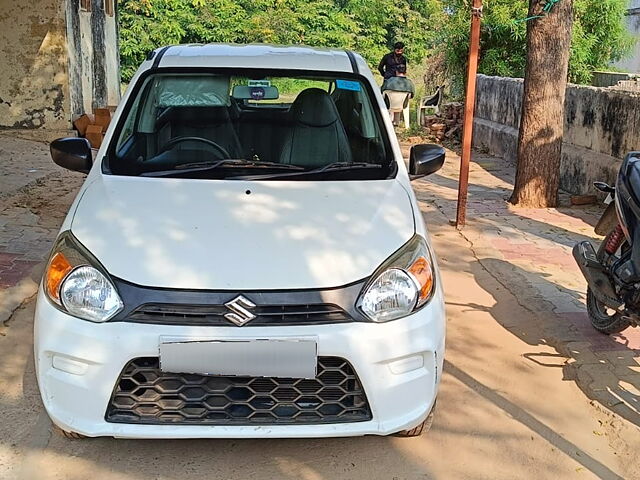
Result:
603,318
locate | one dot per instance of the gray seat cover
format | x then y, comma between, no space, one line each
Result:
317,136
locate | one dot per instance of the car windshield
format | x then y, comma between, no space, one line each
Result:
251,126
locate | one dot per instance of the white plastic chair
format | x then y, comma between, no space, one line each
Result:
397,102
430,105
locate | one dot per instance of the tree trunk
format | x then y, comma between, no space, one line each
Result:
542,119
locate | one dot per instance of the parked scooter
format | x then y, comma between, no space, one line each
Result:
613,272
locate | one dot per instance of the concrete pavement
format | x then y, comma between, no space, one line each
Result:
525,388
34,198
528,252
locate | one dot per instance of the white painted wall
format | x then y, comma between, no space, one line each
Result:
81,59
112,60
85,59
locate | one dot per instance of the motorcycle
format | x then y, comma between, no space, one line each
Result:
613,271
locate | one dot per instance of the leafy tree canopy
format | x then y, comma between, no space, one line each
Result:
434,30
367,26
599,37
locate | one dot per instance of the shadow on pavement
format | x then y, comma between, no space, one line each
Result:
490,206
602,366
520,415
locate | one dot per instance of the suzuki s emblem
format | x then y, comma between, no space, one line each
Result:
240,313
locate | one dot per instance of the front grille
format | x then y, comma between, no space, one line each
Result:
146,395
209,315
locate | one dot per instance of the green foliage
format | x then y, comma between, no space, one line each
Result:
148,24
367,26
599,37
435,31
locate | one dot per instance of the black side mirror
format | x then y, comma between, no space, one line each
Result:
426,159
72,153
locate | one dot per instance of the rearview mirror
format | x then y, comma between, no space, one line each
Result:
426,159
72,153
244,92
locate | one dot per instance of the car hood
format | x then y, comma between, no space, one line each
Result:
237,235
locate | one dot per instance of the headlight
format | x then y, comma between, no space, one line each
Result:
403,284
86,293
77,284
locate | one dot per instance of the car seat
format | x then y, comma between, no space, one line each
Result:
316,136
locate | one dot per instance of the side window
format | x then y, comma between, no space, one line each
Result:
129,127
369,125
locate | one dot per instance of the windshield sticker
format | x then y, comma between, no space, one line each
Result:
259,83
257,93
348,85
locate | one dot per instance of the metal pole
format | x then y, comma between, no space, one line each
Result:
470,102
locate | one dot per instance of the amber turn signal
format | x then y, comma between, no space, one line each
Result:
422,273
57,271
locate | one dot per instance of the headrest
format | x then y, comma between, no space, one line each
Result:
315,108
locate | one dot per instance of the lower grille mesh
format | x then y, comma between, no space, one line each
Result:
144,394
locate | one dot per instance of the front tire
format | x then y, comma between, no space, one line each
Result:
67,433
424,427
604,320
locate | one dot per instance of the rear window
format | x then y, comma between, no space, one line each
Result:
251,125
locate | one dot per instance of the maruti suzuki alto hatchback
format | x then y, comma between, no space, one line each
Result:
246,258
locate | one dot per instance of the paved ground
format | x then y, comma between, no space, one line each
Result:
528,252
529,390
34,198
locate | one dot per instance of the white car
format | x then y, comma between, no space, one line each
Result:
246,258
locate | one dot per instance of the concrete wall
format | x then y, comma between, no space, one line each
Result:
601,125
56,62
610,79
112,59
93,57
34,88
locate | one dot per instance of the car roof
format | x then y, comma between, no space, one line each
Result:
253,56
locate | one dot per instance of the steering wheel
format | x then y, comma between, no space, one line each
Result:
175,141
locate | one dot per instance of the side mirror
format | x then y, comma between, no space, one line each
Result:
72,153
426,159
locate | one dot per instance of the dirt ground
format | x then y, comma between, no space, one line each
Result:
505,409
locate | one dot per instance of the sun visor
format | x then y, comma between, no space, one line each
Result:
204,91
168,91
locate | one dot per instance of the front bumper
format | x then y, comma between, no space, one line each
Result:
78,363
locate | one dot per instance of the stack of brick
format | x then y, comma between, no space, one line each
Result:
447,124
93,126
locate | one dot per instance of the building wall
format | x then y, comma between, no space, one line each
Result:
112,59
93,57
34,89
57,62
601,126
631,64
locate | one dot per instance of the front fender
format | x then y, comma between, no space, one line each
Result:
608,220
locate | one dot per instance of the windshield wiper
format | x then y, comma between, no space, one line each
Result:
344,166
332,167
194,167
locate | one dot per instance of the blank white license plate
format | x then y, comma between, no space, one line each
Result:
286,358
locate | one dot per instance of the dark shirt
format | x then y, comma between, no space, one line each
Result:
389,63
